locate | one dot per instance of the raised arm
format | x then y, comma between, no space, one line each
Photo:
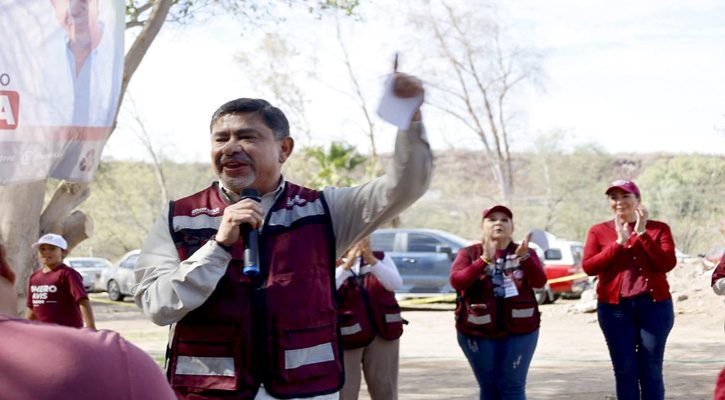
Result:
387,273
600,251
662,251
465,272
358,211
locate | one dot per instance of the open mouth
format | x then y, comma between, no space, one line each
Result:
233,166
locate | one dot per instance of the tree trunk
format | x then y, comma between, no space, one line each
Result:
19,228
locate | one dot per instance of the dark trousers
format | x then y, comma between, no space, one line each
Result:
500,365
636,331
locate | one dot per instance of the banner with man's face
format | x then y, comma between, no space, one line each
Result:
61,65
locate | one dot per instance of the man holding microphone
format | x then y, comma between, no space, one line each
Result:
275,334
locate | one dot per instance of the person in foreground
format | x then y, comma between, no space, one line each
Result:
47,361
718,278
631,255
273,335
497,317
55,292
370,321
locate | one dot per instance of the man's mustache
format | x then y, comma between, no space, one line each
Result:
238,157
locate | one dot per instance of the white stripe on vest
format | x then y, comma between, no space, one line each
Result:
200,221
522,313
350,330
308,355
393,318
479,320
286,217
206,366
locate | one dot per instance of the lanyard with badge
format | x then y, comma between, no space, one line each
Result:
503,273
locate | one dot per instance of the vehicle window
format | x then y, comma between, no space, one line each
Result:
382,241
81,264
553,254
130,262
422,243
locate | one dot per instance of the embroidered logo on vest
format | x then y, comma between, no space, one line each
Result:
204,210
295,200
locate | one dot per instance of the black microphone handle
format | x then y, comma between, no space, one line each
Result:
251,239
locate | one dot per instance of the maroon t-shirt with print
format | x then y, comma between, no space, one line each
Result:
53,296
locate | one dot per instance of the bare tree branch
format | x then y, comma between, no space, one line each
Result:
361,99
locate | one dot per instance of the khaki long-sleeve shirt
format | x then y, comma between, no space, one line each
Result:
168,288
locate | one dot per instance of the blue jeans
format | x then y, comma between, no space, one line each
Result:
500,365
636,331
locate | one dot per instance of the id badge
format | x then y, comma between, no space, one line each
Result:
510,287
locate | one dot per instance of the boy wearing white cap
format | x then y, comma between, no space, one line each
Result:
56,293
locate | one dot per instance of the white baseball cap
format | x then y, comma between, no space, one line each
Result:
51,238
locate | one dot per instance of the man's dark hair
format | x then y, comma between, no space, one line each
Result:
272,116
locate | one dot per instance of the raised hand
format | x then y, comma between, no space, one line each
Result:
489,249
523,248
642,216
366,252
622,230
407,86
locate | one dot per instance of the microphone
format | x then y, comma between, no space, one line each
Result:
251,239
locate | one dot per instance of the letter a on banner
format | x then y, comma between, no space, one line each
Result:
61,66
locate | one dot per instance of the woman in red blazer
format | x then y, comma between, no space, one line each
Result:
497,317
631,256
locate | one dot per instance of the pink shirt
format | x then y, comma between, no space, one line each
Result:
43,361
53,296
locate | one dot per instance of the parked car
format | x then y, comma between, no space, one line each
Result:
423,257
563,258
90,269
119,279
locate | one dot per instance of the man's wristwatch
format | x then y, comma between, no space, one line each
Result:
222,245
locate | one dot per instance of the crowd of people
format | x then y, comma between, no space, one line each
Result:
321,310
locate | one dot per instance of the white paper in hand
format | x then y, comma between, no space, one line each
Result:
396,110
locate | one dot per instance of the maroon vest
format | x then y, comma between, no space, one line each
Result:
366,308
479,313
278,328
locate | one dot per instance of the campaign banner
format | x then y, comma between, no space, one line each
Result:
61,66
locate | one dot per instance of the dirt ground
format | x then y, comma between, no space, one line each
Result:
571,360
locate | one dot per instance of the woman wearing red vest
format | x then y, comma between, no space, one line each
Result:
370,321
497,317
631,255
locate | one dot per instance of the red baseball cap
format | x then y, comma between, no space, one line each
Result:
500,208
623,184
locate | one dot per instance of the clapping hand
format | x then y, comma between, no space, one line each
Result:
523,248
366,252
642,215
622,229
489,249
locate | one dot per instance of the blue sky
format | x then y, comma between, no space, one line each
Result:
641,77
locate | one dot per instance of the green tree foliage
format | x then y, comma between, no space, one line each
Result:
337,165
558,181
685,191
